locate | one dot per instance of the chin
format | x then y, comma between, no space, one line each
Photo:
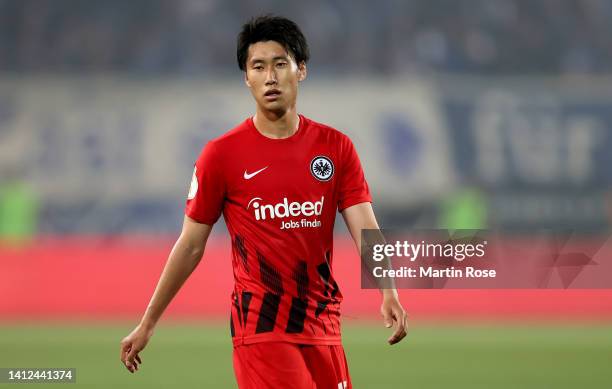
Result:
276,109
274,105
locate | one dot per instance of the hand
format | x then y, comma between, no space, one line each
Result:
132,344
393,312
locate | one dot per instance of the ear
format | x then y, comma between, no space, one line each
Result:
246,80
302,71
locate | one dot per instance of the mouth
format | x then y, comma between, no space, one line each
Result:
272,94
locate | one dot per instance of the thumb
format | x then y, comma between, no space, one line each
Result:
387,319
125,349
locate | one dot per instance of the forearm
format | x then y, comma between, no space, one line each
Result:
361,217
183,259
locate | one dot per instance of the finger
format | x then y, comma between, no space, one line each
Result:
131,355
138,358
130,363
128,366
396,337
400,331
131,367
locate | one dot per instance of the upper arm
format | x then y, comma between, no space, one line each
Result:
357,217
195,234
352,186
206,197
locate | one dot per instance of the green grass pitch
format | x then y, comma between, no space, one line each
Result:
198,355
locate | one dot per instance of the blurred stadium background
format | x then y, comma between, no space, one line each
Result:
466,114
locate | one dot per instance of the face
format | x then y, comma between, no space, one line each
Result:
272,75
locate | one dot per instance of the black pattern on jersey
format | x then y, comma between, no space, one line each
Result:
300,275
325,274
271,278
321,305
242,252
237,306
268,312
299,305
246,301
330,291
232,331
297,315
269,275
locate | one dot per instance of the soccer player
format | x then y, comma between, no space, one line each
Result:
278,179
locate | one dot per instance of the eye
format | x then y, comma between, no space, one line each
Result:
258,67
281,64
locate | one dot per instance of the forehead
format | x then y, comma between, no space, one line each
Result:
266,51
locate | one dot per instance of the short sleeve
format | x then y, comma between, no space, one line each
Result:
207,190
352,187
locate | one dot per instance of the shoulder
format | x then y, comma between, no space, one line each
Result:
328,133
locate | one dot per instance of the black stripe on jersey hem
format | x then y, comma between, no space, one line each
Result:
237,305
246,301
268,312
297,315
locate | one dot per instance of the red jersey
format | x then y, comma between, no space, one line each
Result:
279,198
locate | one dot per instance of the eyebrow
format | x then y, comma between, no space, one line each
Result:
256,60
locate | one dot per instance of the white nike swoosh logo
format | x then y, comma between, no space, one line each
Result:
248,176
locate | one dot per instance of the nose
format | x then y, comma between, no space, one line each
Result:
271,77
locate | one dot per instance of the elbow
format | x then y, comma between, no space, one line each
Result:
196,250
196,253
191,249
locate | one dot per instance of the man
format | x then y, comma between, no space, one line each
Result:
278,178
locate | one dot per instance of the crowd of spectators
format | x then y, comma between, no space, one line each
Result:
382,37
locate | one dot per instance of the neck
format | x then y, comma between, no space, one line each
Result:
277,125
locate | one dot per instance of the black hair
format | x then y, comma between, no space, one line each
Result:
272,28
